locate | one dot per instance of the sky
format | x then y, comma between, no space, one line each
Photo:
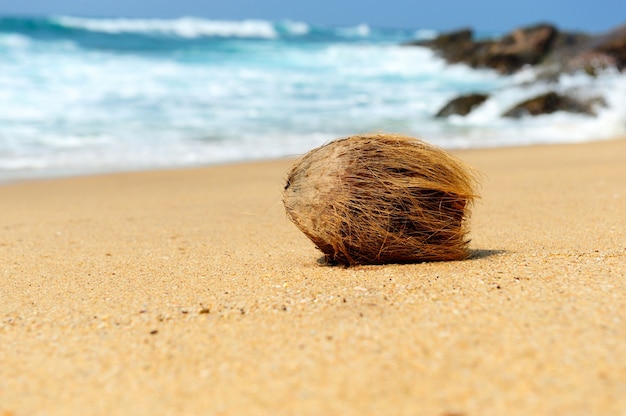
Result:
585,15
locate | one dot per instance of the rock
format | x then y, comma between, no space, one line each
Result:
550,103
462,105
588,53
454,47
525,46
449,40
614,45
521,47
551,52
542,44
604,51
570,40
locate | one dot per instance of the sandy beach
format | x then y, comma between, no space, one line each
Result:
189,292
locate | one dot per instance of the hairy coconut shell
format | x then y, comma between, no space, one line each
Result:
382,198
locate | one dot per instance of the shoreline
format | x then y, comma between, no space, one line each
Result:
188,291
243,162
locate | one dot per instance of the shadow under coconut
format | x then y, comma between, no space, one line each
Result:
474,254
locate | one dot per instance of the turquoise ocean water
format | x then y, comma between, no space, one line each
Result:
81,95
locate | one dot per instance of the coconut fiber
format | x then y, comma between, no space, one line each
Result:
382,198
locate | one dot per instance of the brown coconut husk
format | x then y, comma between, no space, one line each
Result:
382,198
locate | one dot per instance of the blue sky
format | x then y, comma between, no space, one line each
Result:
592,16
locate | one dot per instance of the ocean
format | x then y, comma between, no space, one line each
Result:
86,95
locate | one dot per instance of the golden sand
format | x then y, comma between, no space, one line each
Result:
190,292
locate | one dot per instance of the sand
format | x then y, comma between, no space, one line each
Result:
189,292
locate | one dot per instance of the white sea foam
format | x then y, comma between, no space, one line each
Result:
185,27
76,110
13,41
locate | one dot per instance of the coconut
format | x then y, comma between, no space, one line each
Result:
382,198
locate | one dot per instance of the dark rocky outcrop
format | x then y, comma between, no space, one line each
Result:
462,105
550,103
454,47
613,45
541,44
525,46
589,53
